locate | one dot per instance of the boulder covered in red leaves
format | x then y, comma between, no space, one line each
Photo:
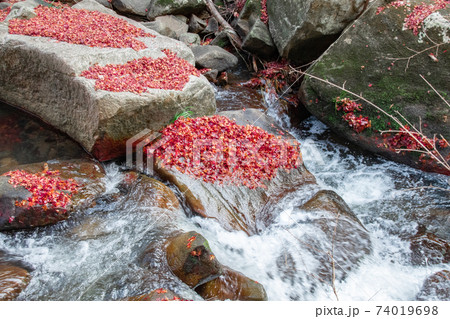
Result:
239,197
184,7
382,56
43,194
102,80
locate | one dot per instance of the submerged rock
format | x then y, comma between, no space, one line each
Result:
232,285
214,57
428,249
13,280
87,174
436,287
347,240
160,294
48,84
303,29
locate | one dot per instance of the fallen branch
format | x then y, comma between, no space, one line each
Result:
232,35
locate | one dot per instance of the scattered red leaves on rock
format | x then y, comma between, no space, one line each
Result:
190,240
80,26
216,149
417,14
161,291
48,190
357,123
167,73
404,140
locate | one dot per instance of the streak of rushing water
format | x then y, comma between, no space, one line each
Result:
70,265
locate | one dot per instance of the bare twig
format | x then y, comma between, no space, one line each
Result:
429,84
416,53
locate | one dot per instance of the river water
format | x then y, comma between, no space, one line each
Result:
68,265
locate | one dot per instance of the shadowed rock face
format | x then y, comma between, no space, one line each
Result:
238,207
160,294
48,84
302,30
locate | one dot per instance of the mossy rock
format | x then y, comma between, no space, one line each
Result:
371,58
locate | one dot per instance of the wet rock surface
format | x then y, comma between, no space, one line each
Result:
232,285
436,287
101,121
14,277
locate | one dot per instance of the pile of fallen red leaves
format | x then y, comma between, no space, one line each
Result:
357,123
80,26
167,73
48,190
216,149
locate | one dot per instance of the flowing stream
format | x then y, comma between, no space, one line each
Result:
69,265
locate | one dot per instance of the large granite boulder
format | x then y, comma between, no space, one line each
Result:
303,29
238,207
381,58
184,7
87,174
43,76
